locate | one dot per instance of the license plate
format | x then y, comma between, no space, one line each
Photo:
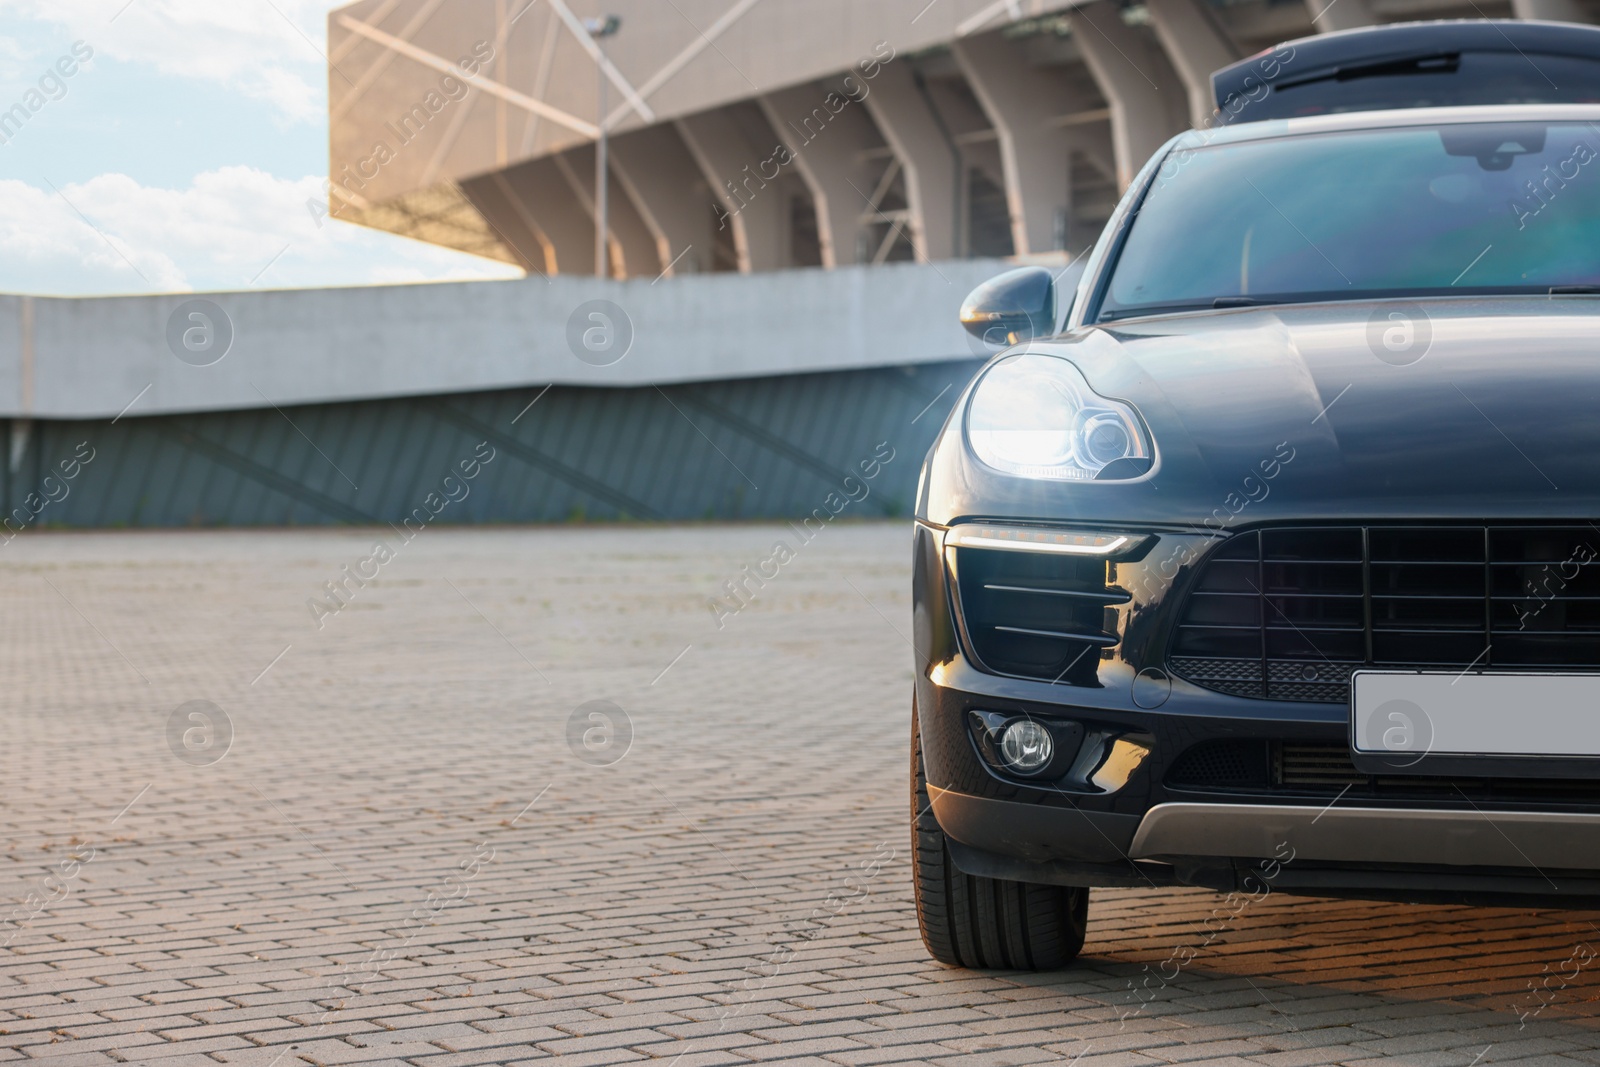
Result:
1406,717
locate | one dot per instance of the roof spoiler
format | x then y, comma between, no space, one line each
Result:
1387,49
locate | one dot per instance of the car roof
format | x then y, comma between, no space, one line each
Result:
1391,119
1327,52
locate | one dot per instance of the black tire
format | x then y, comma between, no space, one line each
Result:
987,923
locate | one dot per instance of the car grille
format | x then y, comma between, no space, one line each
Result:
1288,614
1318,768
1036,615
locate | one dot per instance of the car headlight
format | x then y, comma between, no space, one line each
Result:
1036,417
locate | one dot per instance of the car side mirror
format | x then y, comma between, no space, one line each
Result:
1013,307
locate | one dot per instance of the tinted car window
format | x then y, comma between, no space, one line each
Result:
1485,208
1469,78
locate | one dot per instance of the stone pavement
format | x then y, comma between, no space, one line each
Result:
413,852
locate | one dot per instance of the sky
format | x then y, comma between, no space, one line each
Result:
188,152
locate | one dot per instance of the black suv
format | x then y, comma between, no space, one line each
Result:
1269,565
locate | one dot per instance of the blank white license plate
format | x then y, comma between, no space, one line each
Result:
1418,713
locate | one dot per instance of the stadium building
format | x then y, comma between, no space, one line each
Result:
758,135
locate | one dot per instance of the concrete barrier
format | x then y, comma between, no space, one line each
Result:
91,357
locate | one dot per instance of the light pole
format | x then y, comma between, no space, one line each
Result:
600,29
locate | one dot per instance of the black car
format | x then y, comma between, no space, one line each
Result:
1268,565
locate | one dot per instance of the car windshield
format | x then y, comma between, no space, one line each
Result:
1416,211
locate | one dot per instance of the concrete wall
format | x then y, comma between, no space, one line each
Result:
94,357
770,447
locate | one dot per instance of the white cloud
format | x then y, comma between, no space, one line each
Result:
232,228
12,55
272,51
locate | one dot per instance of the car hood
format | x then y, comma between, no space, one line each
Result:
1386,410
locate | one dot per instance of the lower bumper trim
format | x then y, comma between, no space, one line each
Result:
1554,840
1033,832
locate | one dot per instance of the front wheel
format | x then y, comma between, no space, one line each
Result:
990,923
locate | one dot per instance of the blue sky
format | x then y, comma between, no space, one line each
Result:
184,155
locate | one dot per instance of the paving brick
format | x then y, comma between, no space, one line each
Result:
254,912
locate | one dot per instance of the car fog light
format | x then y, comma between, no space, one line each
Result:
1026,746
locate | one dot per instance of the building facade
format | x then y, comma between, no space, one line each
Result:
752,135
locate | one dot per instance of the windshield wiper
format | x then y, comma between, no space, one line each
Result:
1573,290
1436,63
1152,309
1176,309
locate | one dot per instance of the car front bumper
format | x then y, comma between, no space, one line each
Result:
1127,825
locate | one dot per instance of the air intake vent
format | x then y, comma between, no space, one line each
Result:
1223,765
1324,769
1036,615
1314,766
1288,614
